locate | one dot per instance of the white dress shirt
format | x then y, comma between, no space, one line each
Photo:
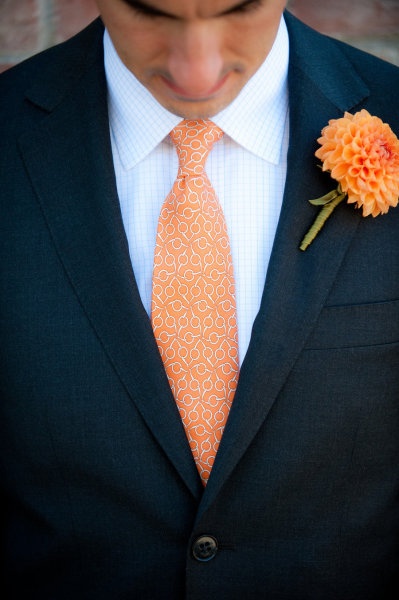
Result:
247,169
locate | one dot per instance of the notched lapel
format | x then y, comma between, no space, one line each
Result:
69,160
297,282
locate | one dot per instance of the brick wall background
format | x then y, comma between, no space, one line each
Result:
28,26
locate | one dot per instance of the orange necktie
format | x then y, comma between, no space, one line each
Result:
193,298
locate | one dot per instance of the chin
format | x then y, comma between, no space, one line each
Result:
195,109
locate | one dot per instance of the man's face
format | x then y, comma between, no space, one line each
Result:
194,56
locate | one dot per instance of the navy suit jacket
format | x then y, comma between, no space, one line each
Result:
102,497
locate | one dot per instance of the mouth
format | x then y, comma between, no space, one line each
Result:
187,96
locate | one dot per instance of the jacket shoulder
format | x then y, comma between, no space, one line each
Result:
337,65
35,86
54,66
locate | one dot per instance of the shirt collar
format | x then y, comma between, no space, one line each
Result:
255,119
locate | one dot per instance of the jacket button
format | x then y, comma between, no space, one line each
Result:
205,548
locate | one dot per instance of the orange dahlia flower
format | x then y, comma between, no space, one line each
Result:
362,154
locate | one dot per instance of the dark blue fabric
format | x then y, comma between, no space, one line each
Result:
102,498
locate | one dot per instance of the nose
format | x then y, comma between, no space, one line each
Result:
195,61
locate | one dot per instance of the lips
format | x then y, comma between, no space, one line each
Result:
187,95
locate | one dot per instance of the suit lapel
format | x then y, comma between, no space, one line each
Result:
69,160
74,182
297,282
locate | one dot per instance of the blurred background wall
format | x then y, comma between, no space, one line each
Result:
28,26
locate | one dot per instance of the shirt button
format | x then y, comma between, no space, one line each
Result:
205,548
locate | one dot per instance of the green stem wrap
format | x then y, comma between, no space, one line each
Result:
322,217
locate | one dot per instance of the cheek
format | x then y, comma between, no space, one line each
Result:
249,46
257,41
139,50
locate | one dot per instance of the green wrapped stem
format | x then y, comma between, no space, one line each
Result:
322,217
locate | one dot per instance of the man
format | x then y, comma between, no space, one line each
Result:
102,496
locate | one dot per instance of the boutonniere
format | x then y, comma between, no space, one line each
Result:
362,154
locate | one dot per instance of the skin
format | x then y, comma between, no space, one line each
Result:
194,56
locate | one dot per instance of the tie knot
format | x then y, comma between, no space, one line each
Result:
193,141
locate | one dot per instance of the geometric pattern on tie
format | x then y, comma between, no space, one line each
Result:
193,309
